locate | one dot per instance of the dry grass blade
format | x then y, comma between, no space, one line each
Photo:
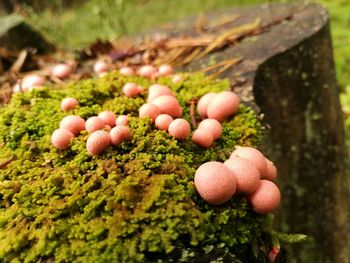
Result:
222,22
228,63
190,57
17,65
199,24
190,42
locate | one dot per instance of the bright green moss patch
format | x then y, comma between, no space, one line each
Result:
133,203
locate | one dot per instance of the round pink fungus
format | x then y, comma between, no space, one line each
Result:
119,133
147,71
203,137
69,104
273,254
61,71
176,79
168,105
149,110
100,67
223,105
61,138
271,171
253,155
215,183
127,71
266,198
246,173
97,142
131,90
157,90
211,125
108,117
122,120
165,70
163,121
94,124
30,82
203,103
179,128
73,123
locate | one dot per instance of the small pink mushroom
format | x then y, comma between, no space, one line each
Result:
16,88
246,173
97,142
271,171
131,90
127,71
108,117
266,198
94,124
168,105
69,104
203,137
253,155
215,183
147,71
223,105
165,70
120,133
163,121
73,123
203,103
211,125
61,138
122,120
61,71
176,79
32,81
157,90
273,254
179,128
149,110
100,67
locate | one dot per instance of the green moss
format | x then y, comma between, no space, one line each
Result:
133,203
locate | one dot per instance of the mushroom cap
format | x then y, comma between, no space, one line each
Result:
69,104
61,71
73,123
223,105
215,183
157,90
266,198
119,134
131,90
150,110
32,81
253,155
122,120
271,171
147,71
273,254
97,142
94,124
179,128
176,79
108,117
100,66
165,70
163,121
61,138
203,103
127,71
246,173
168,105
213,126
203,137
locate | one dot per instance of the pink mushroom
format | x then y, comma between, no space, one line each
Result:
149,110
32,81
223,105
163,121
253,155
176,79
69,104
61,138
273,254
141,89
211,125
165,70
127,71
73,123
94,124
61,71
100,67
97,142
122,120
147,71
168,105
157,90
119,133
215,183
246,173
203,137
266,198
108,117
16,88
271,171
203,103
179,128
131,90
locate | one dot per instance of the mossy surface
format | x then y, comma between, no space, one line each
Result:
132,203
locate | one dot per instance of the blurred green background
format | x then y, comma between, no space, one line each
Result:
72,24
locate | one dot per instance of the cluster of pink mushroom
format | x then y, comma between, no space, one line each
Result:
105,129
247,172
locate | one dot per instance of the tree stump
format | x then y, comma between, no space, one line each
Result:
287,74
